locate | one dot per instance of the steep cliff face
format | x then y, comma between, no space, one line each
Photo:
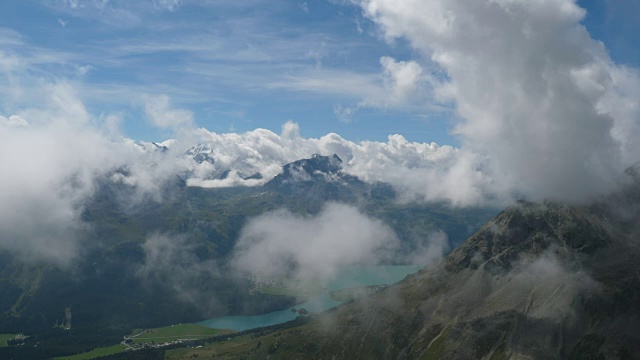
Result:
539,281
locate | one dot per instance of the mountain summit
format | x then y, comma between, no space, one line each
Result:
317,167
321,178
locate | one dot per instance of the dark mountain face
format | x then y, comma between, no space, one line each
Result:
320,178
317,163
539,281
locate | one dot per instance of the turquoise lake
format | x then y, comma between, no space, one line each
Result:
349,277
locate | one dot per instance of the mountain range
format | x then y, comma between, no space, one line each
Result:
538,281
164,259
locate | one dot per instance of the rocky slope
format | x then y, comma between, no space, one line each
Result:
539,281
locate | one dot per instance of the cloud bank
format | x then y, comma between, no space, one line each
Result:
56,154
543,113
49,168
418,171
52,158
160,113
534,92
281,243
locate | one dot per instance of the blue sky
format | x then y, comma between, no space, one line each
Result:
239,65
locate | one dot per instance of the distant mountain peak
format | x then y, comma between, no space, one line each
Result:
317,167
201,153
152,147
318,178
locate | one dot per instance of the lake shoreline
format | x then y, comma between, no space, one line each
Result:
352,277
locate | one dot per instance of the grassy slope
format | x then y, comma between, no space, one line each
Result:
175,332
96,353
232,349
158,335
4,338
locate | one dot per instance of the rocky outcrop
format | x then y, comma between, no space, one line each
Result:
539,281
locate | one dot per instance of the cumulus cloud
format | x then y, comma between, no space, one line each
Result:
55,155
401,77
49,168
543,113
345,113
13,121
311,247
533,91
401,83
418,171
160,113
52,158
232,179
542,110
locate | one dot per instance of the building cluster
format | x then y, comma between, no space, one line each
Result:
259,281
132,345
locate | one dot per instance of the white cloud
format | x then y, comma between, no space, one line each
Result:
345,113
419,171
51,157
402,78
9,62
231,180
621,102
543,110
13,121
167,5
159,111
345,83
55,153
305,7
403,85
533,90
400,85
312,247
49,170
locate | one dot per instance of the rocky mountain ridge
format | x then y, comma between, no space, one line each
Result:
539,281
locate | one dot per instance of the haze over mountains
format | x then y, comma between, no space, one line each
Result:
136,234
519,136
192,250
541,111
539,281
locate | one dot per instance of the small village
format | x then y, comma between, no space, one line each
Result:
259,281
130,343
